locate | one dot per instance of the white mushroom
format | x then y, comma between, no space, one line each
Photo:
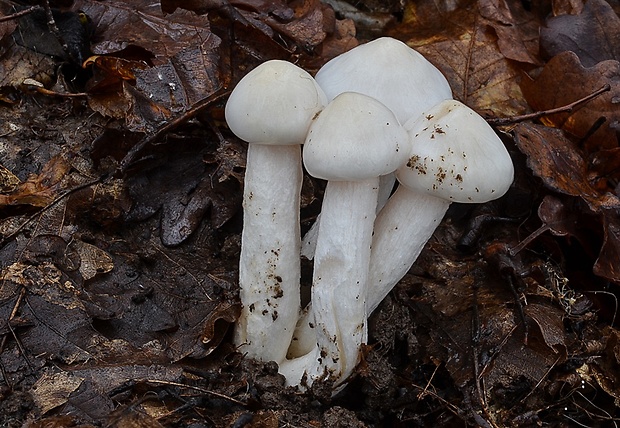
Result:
271,108
455,157
354,141
399,77
387,70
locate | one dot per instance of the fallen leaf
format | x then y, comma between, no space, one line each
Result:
8,181
53,389
39,190
185,189
93,260
606,265
217,324
564,80
549,322
556,160
180,49
466,48
516,29
591,34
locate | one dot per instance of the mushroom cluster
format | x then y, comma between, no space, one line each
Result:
378,113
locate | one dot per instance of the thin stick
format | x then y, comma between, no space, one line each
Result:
130,157
536,115
196,388
20,13
47,207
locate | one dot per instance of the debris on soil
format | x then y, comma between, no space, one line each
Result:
120,219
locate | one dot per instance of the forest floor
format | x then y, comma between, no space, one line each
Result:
120,219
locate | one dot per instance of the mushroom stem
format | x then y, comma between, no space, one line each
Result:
401,230
269,266
308,242
341,264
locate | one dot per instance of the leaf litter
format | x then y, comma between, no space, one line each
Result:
120,222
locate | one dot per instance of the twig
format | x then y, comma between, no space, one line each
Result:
14,334
51,24
536,115
20,13
47,207
130,157
196,388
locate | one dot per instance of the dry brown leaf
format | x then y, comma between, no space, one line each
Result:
555,159
465,46
53,389
39,190
8,180
516,29
93,260
564,80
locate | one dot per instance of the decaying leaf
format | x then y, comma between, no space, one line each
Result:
472,50
564,80
93,260
53,389
8,181
186,189
39,190
214,331
607,265
180,48
561,166
18,64
591,34
516,29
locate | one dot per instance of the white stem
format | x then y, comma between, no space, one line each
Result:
308,243
401,230
269,266
339,284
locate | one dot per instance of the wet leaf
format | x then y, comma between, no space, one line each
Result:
186,189
135,23
549,321
591,34
180,48
115,67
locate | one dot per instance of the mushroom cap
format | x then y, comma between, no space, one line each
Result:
389,71
274,104
456,155
354,138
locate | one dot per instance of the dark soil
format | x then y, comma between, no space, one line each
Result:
118,291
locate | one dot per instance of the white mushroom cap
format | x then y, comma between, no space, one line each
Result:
389,71
456,155
355,137
274,104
